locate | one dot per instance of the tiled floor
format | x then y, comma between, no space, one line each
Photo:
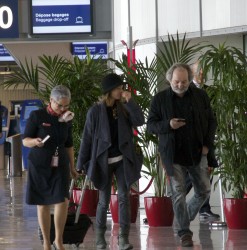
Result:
18,227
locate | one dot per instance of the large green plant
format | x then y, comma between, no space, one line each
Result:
82,77
228,67
175,50
145,78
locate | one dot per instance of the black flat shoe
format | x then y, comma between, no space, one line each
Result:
54,246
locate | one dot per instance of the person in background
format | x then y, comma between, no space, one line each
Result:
183,119
50,163
107,149
205,211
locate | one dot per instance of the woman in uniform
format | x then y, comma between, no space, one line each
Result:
50,163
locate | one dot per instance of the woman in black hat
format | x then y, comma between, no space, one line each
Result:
107,149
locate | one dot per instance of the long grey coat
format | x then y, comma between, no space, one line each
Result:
96,139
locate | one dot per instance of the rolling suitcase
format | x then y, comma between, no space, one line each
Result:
76,225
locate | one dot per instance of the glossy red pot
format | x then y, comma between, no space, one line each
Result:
236,213
159,211
90,201
134,206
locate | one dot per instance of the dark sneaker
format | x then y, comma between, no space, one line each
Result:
209,215
186,240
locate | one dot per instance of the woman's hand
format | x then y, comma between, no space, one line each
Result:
126,95
74,174
38,142
32,142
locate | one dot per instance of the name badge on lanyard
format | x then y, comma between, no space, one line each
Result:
55,159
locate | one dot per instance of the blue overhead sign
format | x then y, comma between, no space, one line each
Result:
9,19
5,55
61,17
97,49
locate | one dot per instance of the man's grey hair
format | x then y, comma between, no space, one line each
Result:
59,92
170,71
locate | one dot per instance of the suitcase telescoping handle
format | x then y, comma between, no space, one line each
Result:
83,188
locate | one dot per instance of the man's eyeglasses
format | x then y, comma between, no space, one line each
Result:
60,106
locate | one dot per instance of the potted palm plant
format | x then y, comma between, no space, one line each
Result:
227,66
145,79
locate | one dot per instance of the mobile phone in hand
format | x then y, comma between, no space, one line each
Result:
45,139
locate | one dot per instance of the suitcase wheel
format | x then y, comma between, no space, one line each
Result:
76,246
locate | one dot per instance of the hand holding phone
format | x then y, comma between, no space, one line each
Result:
176,123
45,139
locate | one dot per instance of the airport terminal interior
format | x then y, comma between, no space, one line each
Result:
137,29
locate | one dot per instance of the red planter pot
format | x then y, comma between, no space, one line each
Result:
90,201
159,211
134,206
236,213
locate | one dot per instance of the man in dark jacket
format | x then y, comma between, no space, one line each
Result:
205,211
184,121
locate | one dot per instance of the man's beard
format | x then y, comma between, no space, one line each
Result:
179,91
